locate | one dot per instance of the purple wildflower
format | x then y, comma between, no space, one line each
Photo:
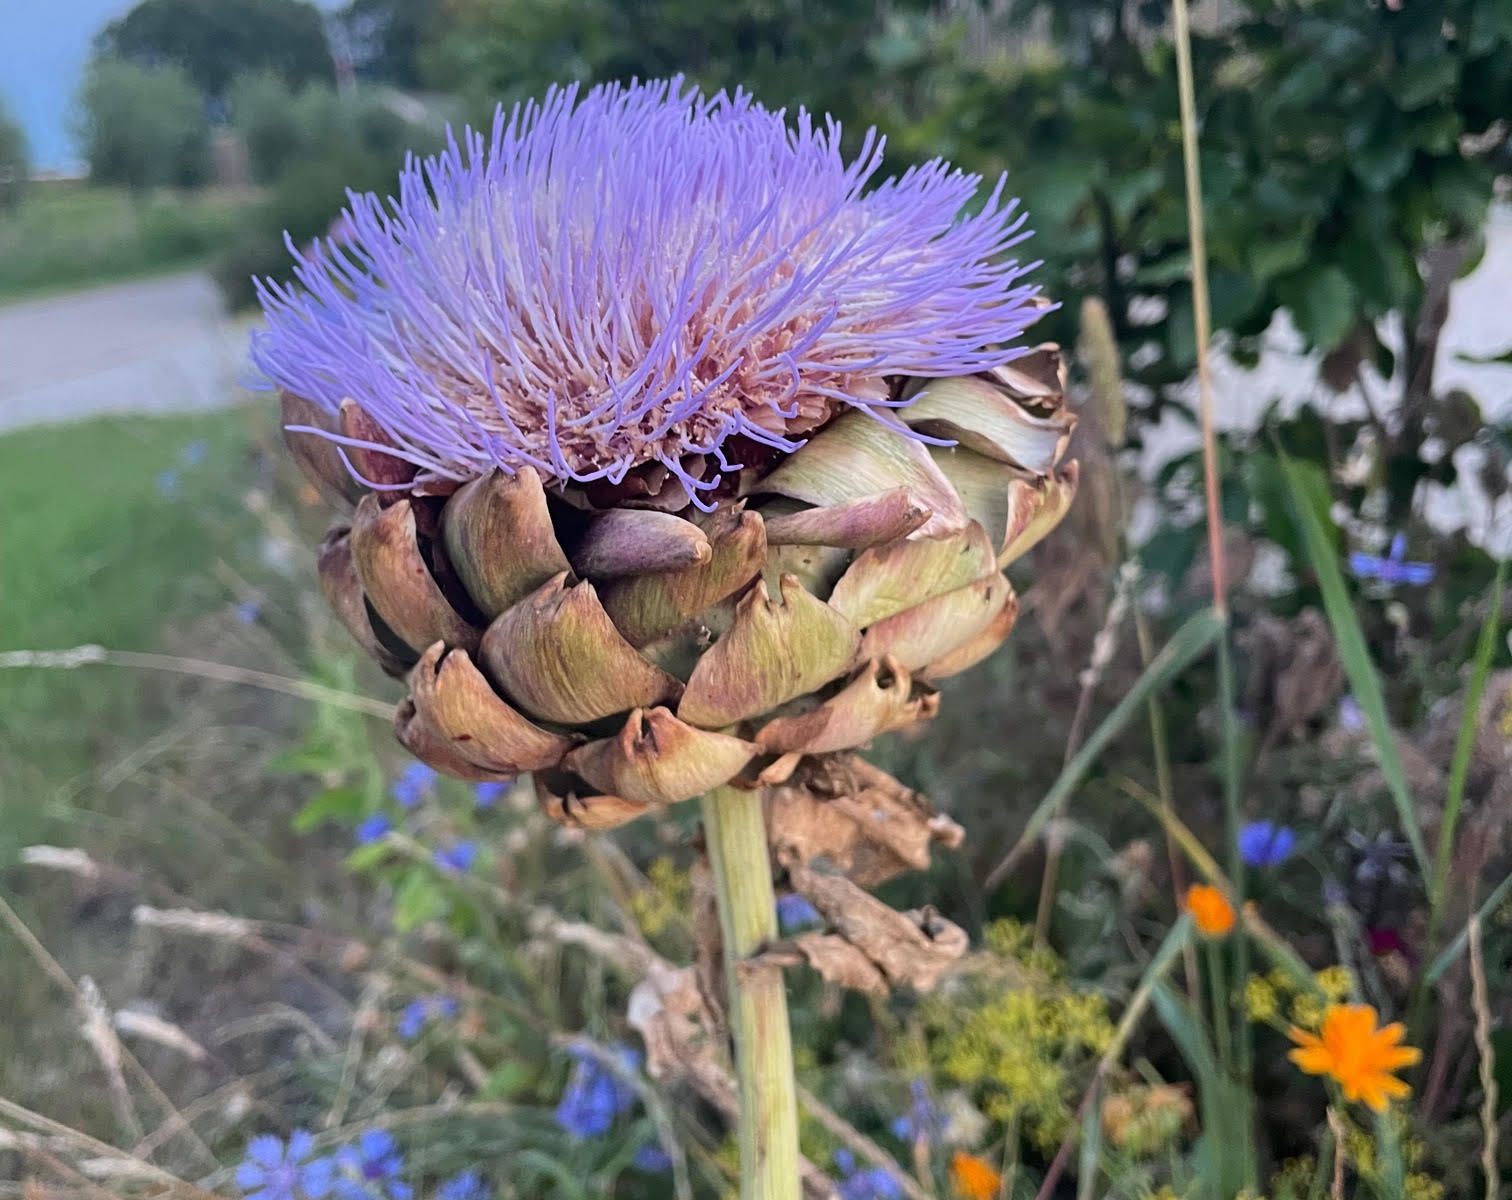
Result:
644,274
248,611
795,912
1266,844
372,1169
1392,568
456,859
273,1170
924,1120
419,1013
1351,715
489,793
373,829
414,785
653,1159
595,1095
168,484
468,1185
869,1183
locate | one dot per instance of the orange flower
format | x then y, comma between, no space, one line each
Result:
1350,1048
1210,909
973,1177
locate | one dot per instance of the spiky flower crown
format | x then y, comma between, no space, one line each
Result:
642,279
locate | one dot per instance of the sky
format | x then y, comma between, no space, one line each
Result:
44,45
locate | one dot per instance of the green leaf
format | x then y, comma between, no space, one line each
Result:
417,899
1271,258
1304,481
1454,949
1389,1182
1091,1148
340,804
1321,301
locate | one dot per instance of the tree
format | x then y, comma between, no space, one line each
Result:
217,40
144,127
387,36
14,166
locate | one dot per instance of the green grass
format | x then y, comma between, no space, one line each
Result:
98,548
69,234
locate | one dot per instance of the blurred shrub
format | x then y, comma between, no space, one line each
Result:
1341,142
310,148
283,128
214,41
14,167
144,127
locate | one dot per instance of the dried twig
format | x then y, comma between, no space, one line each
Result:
1480,1001
92,656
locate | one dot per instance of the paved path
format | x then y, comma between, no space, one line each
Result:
149,346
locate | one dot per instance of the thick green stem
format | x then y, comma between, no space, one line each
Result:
736,834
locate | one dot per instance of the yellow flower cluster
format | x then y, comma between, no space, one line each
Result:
1262,1000
1267,995
665,903
1337,983
1147,1118
1017,1035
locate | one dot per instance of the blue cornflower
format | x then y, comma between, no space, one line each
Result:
1266,844
275,1171
779,276
414,785
795,911
194,453
168,484
456,859
467,1186
1392,568
489,793
871,1183
419,1013
1351,715
595,1095
652,1158
372,1168
373,829
248,611
923,1119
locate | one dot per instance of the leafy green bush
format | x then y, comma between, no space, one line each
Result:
144,127
13,162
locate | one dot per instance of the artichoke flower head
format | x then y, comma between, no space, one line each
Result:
671,451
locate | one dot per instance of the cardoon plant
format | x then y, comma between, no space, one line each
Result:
680,455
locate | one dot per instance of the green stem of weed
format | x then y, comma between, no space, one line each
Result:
735,831
1222,1018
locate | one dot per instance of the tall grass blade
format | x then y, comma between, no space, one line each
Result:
1186,645
1454,949
1459,768
1361,672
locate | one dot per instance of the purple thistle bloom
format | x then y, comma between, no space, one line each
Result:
419,1013
1392,568
372,1169
468,1185
795,912
373,829
489,793
273,1170
414,785
456,859
1266,844
595,1095
640,274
